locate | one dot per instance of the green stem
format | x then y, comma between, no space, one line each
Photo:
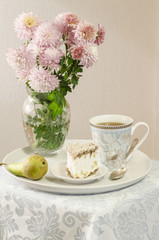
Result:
66,47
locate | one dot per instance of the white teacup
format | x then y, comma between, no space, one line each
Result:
112,134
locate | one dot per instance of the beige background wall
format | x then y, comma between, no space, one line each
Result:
124,80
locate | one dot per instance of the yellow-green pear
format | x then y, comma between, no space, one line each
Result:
34,167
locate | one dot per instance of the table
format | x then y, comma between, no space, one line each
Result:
131,213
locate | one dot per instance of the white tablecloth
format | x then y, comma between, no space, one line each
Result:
127,214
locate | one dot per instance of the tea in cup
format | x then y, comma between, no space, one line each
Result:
112,134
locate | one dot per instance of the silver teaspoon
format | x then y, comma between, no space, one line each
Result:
119,173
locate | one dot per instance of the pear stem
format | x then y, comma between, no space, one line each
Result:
3,164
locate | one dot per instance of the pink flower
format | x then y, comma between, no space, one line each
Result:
47,35
65,22
21,60
87,54
100,35
42,81
71,38
71,19
90,56
25,25
84,32
77,52
36,49
50,57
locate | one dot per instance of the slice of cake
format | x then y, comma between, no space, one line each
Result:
81,159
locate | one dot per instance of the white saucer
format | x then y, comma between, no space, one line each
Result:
58,170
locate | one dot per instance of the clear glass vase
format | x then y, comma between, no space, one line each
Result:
44,134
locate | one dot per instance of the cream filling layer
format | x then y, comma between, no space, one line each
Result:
83,166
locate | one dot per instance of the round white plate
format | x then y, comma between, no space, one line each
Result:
58,170
138,167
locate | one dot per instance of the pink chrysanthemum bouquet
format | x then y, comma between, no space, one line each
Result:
53,55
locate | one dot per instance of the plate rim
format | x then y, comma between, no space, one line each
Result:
72,189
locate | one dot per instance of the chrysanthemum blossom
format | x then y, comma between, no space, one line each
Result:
77,52
36,49
50,57
85,32
26,25
21,60
65,22
89,56
47,35
42,81
71,19
100,35
71,38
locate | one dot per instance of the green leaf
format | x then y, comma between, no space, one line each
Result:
66,76
69,61
63,84
53,106
63,68
60,109
60,77
62,60
54,110
70,70
74,81
63,90
56,106
51,96
69,89
78,69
